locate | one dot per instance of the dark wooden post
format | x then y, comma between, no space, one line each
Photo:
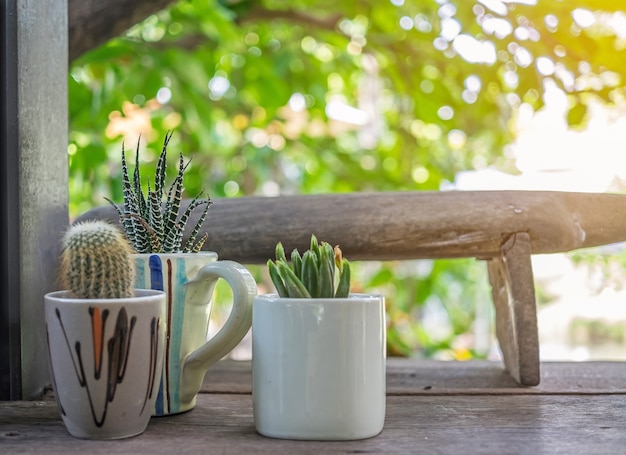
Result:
34,193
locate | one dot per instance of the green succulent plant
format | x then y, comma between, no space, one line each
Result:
96,261
153,222
321,272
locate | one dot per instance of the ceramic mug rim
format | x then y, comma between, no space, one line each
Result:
196,254
352,297
141,295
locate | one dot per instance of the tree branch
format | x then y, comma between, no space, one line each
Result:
94,22
258,13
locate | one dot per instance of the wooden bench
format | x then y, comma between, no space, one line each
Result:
503,228
433,407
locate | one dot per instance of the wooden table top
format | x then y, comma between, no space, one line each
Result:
432,407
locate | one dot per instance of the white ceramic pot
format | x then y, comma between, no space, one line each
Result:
105,358
318,367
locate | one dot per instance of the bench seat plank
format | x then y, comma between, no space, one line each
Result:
432,407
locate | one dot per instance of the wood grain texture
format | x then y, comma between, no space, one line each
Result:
223,424
408,225
475,377
513,291
432,408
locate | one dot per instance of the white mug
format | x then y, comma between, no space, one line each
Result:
318,367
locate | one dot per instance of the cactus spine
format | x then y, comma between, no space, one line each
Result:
96,261
321,272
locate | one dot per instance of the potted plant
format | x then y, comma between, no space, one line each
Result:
318,350
105,339
155,225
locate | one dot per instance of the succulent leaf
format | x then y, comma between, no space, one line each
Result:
189,245
280,252
343,288
311,274
153,224
277,279
155,217
141,208
295,288
326,267
198,246
159,182
296,263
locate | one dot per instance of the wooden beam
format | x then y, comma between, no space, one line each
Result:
409,225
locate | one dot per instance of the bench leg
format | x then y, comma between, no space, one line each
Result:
513,291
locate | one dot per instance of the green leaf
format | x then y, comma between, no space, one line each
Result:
277,279
295,288
310,273
280,252
296,263
326,269
343,288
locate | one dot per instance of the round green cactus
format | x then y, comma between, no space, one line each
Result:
96,261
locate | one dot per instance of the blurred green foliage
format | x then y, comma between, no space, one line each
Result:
307,96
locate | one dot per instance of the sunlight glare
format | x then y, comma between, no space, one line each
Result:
218,86
475,51
473,83
583,17
406,23
496,6
500,28
297,102
164,95
450,29
522,57
545,66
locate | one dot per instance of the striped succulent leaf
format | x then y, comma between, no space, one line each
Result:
155,215
159,182
141,208
152,224
191,244
174,196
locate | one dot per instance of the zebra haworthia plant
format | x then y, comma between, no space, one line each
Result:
155,225
321,272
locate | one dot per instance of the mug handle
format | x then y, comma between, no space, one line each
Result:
239,321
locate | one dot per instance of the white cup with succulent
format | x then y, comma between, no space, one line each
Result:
155,225
318,351
105,339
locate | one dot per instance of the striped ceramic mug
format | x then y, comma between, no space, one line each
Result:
188,280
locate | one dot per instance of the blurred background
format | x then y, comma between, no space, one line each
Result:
269,97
